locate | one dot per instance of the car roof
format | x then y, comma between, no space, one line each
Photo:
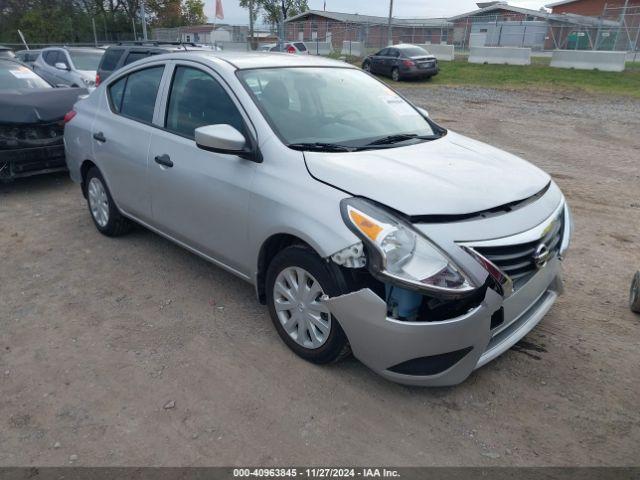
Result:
247,60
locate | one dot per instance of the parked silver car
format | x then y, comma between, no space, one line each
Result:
363,225
75,67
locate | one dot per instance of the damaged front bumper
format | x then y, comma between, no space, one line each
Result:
445,352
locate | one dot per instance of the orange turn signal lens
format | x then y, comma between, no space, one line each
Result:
366,226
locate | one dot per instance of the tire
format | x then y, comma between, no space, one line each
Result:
334,346
366,66
395,74
104,213
634,294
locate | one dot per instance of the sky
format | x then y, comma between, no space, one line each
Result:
233,14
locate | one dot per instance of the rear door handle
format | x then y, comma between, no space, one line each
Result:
99,137
164,160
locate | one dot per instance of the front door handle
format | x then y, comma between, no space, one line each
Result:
99,137
164,160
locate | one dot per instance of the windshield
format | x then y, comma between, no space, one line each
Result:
85,60
414,52
341,106
15,77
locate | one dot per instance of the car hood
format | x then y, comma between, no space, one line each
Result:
37,105
453,175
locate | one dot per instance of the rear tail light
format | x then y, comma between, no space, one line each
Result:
69,116
408,63
97,79
291,49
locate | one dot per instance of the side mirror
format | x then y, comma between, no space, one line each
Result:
423,112
225,139
61,66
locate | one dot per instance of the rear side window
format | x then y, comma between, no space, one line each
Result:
300,46
133,56
135,95
110,59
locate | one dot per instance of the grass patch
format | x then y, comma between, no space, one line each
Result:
538,75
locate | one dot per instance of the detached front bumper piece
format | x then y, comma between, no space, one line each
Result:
444,352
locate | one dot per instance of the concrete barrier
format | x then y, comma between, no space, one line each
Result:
234,46
500,55
355,49
589,60
319,48
441,52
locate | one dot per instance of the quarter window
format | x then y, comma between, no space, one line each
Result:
197,99
110,59
135,95
134,56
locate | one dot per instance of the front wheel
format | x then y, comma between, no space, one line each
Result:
367,66
296,280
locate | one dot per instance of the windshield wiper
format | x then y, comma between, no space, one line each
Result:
321,147
400,137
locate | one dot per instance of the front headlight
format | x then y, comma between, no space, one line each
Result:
401,255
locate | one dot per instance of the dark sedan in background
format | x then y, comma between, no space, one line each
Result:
401,62
32,116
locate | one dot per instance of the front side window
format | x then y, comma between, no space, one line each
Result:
332,105
196,99
135,95
50,57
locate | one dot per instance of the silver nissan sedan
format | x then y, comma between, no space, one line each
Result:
363,225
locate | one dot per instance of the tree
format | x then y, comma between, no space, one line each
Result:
254,8
193,12
274,10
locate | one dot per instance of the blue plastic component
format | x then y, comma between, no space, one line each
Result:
401,302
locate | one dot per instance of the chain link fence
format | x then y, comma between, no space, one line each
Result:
618,28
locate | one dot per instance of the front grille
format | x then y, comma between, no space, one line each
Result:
517,261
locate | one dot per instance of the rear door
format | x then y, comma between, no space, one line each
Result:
200,198
121,133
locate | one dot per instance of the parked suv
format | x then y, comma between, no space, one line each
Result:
69,66
117,56
401,62
363,225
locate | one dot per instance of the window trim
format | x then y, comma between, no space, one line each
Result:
251,132
126,75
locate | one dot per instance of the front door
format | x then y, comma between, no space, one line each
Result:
200,198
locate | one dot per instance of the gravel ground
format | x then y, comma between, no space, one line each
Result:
132,351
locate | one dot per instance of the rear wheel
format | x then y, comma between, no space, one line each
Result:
296,280
395,74
104,213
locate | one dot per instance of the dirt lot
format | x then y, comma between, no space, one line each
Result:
98,335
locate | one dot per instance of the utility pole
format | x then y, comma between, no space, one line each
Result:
95,35
251,39
143,17
135,34
390,28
